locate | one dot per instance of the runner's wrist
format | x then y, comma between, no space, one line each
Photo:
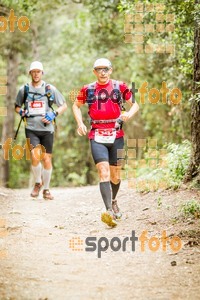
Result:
80,124
20,111
55,113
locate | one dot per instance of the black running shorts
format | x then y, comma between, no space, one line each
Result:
107,152
44,138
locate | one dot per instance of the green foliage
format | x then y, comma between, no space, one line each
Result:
168,121
171,167
68,37
178,160
19,169
191,208
105,21
159,202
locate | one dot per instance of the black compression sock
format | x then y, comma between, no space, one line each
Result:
106,193
115,189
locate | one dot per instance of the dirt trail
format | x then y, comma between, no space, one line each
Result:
37,262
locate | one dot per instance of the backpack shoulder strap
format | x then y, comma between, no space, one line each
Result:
90,93
115,84
47,87
26,91
92,86
49,94
50,97
116,87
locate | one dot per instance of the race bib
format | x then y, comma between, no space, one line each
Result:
105,136
36,108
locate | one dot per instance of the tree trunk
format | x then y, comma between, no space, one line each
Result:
194,167
8,125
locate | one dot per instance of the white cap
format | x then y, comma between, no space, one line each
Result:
36,65
102,62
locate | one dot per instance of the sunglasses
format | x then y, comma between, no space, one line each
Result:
100,70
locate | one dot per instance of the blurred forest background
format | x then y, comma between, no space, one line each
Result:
67,36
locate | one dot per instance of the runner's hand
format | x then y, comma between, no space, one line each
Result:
82,130
49,117
23,113
125,116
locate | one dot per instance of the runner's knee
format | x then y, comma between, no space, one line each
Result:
47,160
35,156
104,171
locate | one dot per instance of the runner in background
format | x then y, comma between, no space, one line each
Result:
105,99
34,103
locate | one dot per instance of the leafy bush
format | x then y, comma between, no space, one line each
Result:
191,207
170,169
178,160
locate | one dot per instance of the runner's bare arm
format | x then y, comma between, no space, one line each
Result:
132,111
17,109
61,109
22,112
82,129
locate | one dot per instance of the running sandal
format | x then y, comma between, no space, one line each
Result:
108,218
36,190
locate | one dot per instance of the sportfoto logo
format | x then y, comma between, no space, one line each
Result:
18,152
102,244
23,23
154,95
147,19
